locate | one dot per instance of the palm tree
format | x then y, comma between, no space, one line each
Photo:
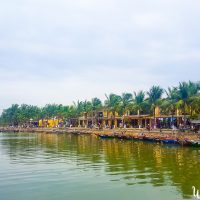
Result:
96,105
126,100
78,107
155,94
185,92
112,103
126,104
87,106
139,101
188,97
194,102
169,104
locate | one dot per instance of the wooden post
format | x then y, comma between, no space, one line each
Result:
115,123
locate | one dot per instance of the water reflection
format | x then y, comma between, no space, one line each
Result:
131,162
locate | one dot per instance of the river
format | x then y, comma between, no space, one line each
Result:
85,167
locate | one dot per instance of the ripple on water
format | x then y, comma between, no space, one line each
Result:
72,167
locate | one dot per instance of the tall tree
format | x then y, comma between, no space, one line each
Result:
125,105
169,104
155,94
126,102
9,116
112,103
96,106
186,91
139,101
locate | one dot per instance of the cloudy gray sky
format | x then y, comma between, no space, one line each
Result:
65,50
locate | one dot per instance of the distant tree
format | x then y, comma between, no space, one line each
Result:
96,106
187,92
139,101
126,103
155,94
185,97
112,103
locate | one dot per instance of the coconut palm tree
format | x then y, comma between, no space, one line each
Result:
154,97
194,102
112,103
169,104
139,101
186,91
96,105
126,104
126,100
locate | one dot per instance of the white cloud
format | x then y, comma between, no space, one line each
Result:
60,51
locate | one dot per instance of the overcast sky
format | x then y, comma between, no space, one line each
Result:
64,50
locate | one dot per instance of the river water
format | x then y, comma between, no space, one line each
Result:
84,167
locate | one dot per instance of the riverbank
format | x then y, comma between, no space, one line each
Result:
126,133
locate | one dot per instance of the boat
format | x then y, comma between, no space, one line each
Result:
184,142
150,139
121,136
194,143
169,141
106,136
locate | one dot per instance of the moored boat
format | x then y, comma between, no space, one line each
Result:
194,143
151,139
121,137
170,141
183,142
106,136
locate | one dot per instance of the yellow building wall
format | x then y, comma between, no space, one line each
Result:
40,123
50,123
105,113
109,114
53,123
157,111
56,122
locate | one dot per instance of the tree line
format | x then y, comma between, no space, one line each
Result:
185,97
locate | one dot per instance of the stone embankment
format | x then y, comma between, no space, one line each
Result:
164,133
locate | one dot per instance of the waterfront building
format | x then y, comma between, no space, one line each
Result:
105,118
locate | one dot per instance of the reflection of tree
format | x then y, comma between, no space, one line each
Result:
134,162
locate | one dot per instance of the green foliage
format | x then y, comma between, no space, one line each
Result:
96,104
194,116
185,97
155,94
19,114
170,104
112,102
139,102
126,103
